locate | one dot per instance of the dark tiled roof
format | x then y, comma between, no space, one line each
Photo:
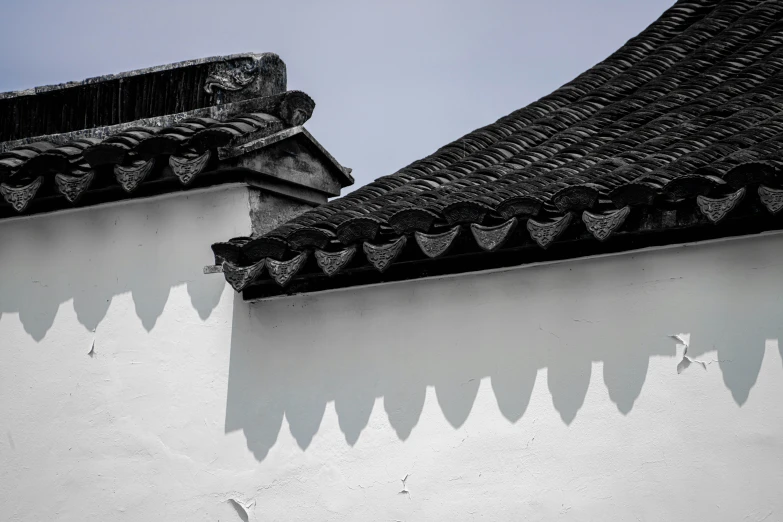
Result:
143,93
687,114
229,106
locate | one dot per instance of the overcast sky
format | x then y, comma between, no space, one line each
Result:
393,80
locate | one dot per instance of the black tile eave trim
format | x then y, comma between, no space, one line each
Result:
476,260
112,193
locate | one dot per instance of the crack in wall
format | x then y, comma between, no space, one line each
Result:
684,340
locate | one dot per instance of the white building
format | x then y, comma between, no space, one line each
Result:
571,314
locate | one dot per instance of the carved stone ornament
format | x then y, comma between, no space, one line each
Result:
333,262
72,186
434,245
129,176
545,233
492,238
603,225
186,168
382,256
241,276
19,197
717,208
296,108
232,76
771,198
283,271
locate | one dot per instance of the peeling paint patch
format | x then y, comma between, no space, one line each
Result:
404,490
91,353
243,510
684,340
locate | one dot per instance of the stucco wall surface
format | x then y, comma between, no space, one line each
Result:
132,387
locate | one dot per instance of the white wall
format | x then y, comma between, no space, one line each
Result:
542,393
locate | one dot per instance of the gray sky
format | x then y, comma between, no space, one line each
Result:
393,80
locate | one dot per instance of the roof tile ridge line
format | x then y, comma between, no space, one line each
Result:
612,57
651,54
672,12
761,122
539,163
618,54
712,39
127,74
615,56
216,112
768,104
494,184
763,85
601,179
642,177
681,34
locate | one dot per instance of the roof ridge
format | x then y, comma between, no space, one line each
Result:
143,93
127,74
267,104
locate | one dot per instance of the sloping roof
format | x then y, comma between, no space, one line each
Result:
681,127
117,133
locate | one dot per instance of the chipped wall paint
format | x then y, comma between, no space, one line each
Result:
133,387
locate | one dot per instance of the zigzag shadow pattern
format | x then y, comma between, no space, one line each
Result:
292,357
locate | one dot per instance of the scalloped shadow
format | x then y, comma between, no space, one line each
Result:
142,247
292,356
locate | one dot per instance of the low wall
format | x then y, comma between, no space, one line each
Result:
133,387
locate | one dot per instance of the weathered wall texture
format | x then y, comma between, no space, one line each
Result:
542,393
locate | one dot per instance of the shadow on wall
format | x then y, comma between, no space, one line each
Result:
293,356
145,248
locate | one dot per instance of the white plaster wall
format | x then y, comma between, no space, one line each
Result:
544,393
